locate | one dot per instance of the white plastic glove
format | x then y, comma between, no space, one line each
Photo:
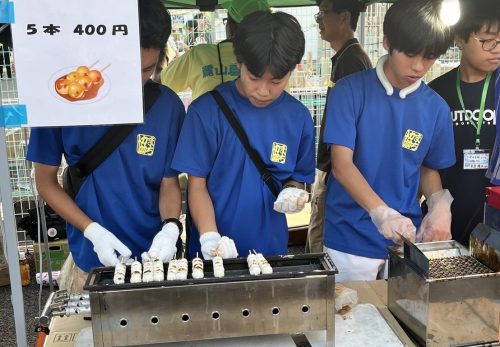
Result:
105,244
436,225
164,243
390,222
291,200
212,244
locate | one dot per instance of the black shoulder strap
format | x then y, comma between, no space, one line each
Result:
267,176
115,136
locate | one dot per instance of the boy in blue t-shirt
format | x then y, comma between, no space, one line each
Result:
122,203
232,208
389,134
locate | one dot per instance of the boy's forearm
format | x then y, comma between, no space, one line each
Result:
170,198
348,175
200,205
430,181
49,189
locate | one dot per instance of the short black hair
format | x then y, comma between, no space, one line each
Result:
474,14
354,7
414,27
271,42
155,24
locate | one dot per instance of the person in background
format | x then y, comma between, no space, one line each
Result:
131,202
232,208
202,29
469,90
389,134
205,66
337,21
192,33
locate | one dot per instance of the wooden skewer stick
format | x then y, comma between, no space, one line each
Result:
90,67
104,68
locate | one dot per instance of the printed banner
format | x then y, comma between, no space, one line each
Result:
78,62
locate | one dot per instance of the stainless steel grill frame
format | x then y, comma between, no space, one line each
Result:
444,311
297,297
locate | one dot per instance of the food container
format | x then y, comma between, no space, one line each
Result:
456,302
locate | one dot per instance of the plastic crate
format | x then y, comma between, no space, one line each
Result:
58,250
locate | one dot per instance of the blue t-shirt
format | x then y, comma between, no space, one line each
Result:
283,135
391,139
122,194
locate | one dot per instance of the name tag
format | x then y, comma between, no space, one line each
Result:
476,159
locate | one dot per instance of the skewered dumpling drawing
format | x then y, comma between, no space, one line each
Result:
80,84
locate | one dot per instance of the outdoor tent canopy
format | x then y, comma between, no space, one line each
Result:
210,5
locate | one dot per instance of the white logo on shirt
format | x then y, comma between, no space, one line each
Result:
460,118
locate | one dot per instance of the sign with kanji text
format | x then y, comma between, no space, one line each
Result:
78,62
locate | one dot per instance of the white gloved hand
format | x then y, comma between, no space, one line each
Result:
436,225
209,243
105,244
390,223
212,244
291,200
227,248
164,243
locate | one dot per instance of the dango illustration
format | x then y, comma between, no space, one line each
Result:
82,83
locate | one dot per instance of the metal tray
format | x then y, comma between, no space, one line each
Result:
289,266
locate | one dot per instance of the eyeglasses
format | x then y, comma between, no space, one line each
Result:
318,16
488,45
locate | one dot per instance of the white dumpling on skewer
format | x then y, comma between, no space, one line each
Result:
158,271
172,270
218,266
182,269
136,272
119,275
264,265
197,267
147,272
253,264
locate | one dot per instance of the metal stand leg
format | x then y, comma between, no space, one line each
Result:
330,313
11,243
41,211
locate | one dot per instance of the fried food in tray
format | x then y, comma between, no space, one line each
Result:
81,84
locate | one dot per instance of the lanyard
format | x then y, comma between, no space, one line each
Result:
484,93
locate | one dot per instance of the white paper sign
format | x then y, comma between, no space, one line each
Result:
78,62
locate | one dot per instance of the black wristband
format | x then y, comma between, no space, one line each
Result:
172,220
